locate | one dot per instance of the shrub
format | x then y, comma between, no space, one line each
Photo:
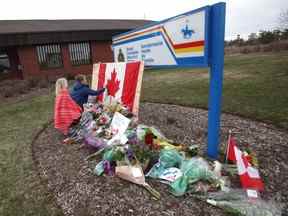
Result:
32,82
245,50
267,48
8,91
276,46
8,82
283,45
10,88
43,83
256,48
21,87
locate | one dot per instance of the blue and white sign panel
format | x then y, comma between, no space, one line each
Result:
193,39
177,41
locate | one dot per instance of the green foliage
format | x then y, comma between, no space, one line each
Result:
263,37
266,37
284,34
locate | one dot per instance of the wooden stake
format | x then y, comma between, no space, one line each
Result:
227,146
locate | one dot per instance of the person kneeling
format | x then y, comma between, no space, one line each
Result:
66,111
81,90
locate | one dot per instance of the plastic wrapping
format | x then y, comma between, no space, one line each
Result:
99,168
104,119
236,201
158,134
142,130
109,159
92,126
85,120
95,142
167,159
132,136
193,170
113,154
166,145
135,175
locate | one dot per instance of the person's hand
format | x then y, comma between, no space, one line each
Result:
106,89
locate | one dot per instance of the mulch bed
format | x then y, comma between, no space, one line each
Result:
79,192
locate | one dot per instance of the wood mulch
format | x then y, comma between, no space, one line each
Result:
79,192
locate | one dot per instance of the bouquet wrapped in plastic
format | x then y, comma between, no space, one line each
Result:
236,202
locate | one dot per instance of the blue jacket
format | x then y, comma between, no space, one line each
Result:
80,93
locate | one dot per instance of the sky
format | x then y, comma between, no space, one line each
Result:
242,16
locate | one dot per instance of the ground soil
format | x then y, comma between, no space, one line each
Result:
69,176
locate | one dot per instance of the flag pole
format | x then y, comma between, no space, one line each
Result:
227,145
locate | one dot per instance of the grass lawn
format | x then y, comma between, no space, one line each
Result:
21,191
255,86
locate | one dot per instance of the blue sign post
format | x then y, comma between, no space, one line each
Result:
216,58
193,39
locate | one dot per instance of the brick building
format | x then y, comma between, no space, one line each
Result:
51,48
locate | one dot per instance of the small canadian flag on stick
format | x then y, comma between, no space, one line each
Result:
249,175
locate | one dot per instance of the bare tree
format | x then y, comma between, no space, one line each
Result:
283,19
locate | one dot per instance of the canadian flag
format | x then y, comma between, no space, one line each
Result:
122,80
249,176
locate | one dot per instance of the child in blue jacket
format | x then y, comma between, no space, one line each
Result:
81,90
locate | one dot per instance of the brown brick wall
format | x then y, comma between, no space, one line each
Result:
100,52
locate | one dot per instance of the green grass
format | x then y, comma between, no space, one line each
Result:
21,191
255,86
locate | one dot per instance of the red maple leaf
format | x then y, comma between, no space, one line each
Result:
113,84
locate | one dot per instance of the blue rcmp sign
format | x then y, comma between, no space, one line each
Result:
193,39
178,41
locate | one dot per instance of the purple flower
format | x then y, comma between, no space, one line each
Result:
108,170
130,154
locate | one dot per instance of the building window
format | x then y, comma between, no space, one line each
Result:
4,63
80,53
49,56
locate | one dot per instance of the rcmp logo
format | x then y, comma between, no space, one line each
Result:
187,33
